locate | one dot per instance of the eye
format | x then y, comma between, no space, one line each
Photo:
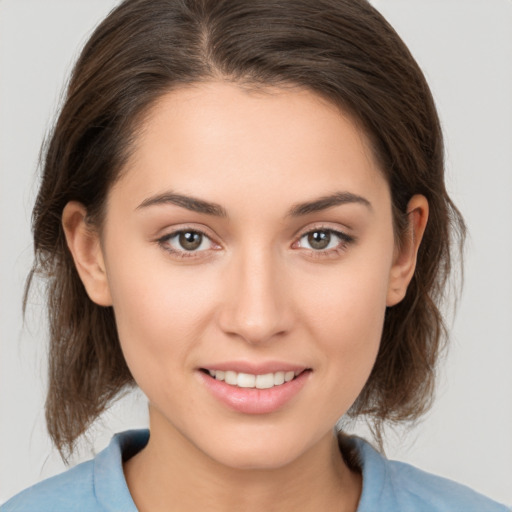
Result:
186,243
323,240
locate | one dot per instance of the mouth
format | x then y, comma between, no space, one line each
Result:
267,390
256,381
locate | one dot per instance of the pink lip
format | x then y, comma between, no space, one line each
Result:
255,368
252,400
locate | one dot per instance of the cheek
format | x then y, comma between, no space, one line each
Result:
345,316
160,312
348,330
348,304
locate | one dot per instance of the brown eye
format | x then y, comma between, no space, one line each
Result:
319,240
190,240
187,242
324,241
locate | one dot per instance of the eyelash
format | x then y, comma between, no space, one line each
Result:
183,254
344,241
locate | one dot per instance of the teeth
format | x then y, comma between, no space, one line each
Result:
230,378
265,381
278,378
248,380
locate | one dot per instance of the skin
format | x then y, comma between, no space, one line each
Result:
256,290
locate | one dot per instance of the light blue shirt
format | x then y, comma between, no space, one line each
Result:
99,485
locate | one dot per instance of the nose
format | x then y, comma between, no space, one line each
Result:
257,306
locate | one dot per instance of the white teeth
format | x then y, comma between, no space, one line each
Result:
278,378
288,376
248,380
231,378
265,381
245,380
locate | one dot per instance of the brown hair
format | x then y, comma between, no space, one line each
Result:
344,51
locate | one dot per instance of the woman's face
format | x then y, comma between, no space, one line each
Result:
249,237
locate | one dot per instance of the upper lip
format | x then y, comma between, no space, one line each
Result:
255,368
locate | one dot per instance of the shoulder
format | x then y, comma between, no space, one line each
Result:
71,491
395,486
96,485
430,492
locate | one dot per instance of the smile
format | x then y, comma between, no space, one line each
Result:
249,380
261,392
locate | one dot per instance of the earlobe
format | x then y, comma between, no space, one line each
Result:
404,263
84,244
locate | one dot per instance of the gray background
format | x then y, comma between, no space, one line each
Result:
465,48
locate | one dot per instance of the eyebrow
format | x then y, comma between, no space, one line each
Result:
188,202
325,202
298,210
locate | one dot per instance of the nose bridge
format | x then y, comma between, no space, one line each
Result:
256,306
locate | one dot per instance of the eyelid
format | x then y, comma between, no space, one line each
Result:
341,232
345,240
176,230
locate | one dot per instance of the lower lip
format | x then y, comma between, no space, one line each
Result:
253,400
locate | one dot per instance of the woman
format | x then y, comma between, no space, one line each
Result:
243,212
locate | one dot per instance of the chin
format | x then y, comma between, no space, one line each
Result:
258,452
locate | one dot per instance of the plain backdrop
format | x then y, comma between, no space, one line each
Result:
465,49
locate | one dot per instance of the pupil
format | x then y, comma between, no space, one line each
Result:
319,239
190,240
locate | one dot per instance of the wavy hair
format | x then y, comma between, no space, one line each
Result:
342,50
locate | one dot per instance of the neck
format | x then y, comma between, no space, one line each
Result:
170,473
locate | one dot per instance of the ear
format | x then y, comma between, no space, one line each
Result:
84,244
404,262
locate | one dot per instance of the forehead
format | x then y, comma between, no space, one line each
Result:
214,138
